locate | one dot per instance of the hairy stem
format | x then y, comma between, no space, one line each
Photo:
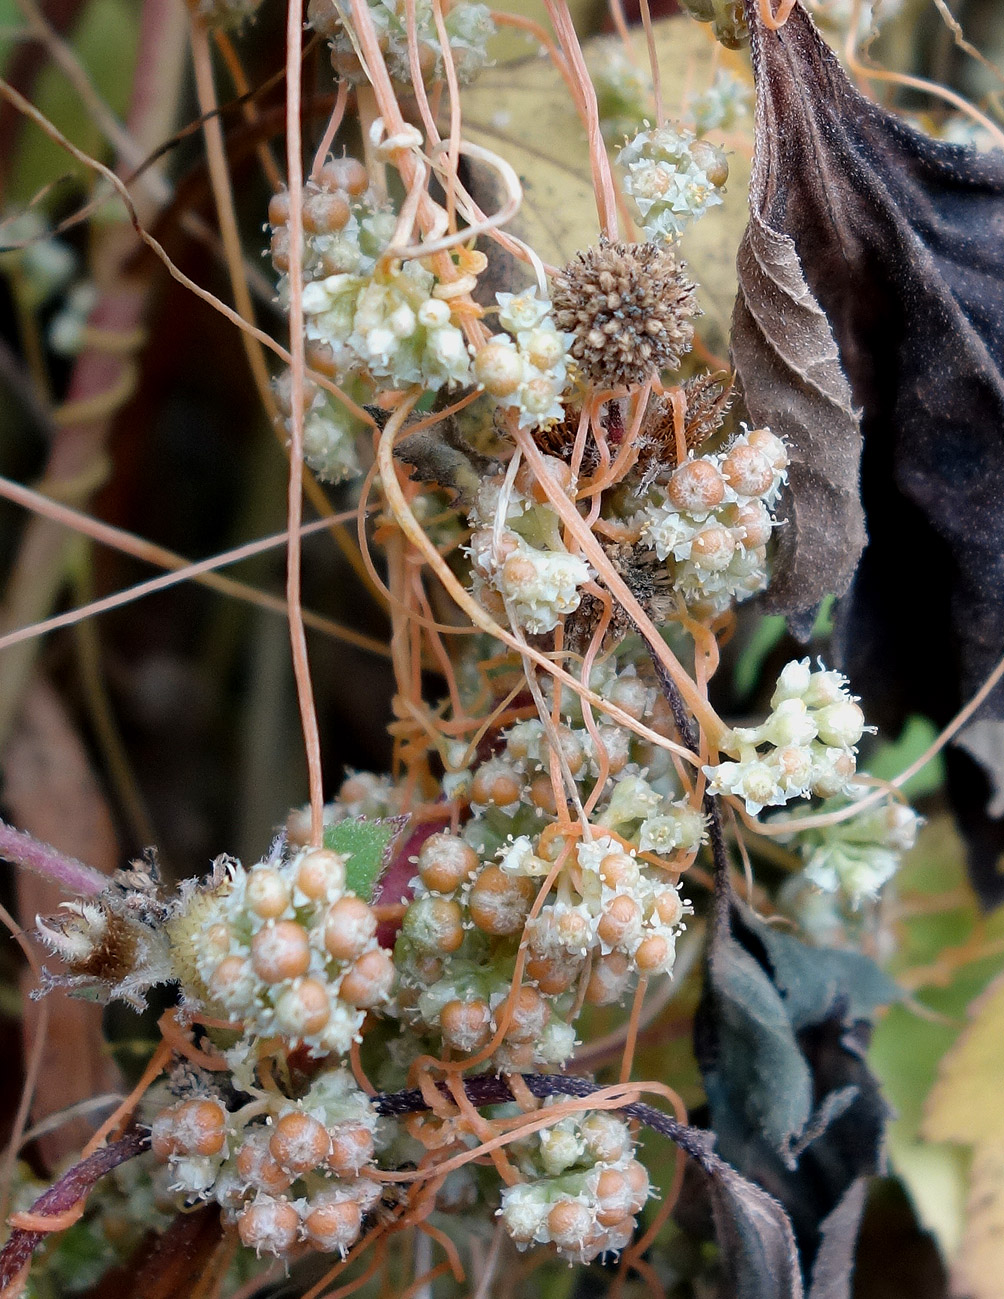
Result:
67,872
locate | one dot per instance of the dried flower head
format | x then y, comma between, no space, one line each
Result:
629,308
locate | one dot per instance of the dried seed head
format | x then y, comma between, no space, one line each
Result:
629,307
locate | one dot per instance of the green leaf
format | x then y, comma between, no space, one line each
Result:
368,846
939,959
105,43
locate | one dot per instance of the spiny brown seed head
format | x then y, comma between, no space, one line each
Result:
629,307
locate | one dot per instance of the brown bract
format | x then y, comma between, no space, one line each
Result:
629,307
876,253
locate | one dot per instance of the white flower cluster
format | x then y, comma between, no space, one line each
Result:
284,1172
527,366
469,27
811,737
608,916
525,563
583,1188
623,88
329,430
368,324
284,950
721,106
621,909
673,177
858,856
389,324
713,520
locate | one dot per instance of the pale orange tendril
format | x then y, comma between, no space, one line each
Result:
775,21
47,1222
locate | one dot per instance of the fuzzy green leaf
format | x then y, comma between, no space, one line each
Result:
367,845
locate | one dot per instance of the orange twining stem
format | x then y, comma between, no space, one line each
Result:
122,1112
47,1222
173,1034
776,21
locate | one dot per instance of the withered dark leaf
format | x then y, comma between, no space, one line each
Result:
900,241
780,1038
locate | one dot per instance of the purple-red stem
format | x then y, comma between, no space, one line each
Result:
67,872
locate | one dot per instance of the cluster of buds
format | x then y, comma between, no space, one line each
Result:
295,1172
623,89
468,27
526,367
856,857
284,950
713,520
612,910
807,745
583,1188
523,567
371,322
722,105
673,177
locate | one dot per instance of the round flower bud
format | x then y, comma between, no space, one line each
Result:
619,870
613,1197
637,1178
256,1168
299,1143
267,892
764,441
552,977
466,1025
499,903
568,1223
747,471
320,872
841,724
529,1016
753,524
498,367
608,979
558,472
269,1226
278,208
713,547
351,1149
496,781
792,682
215,941
632,695
711,160
445,862
346,174
333,1225
606,1137
280,951
668,907
369,981
303,1009
654,954
696,487
324,213
232,984
349,928
620,922
434,924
